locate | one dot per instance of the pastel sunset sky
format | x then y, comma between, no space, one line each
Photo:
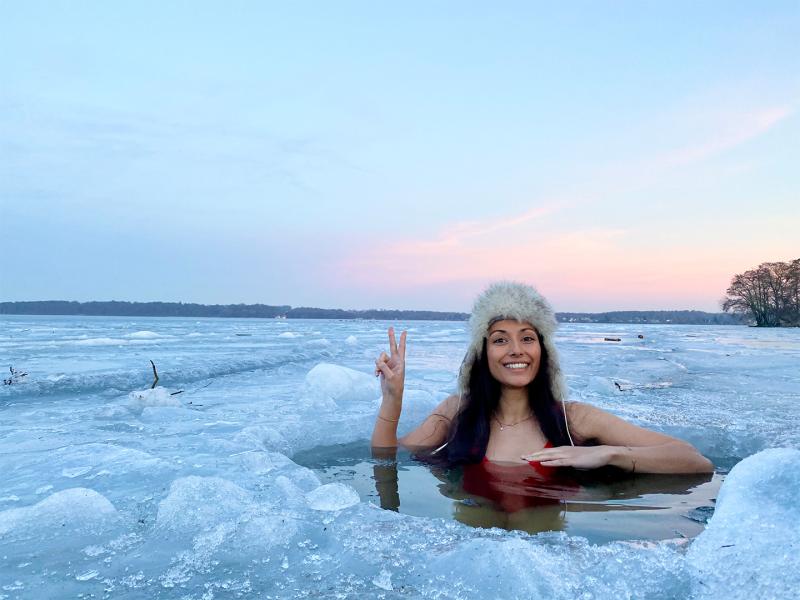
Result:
616,155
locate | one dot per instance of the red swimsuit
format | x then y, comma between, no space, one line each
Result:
514,487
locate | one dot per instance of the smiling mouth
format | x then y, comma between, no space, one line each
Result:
517,366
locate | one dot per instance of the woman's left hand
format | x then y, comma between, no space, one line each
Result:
578,457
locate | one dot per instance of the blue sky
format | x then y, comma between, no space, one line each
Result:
616,155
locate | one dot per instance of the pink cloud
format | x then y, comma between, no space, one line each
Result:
479,256
590,269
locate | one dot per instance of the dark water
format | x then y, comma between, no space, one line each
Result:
601,506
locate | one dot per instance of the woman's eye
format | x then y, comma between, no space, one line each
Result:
529,339
499,340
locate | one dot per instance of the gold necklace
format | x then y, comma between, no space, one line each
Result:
504,425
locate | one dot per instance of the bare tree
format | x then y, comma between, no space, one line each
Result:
793,290
769,294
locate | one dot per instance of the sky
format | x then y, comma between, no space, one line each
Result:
616,155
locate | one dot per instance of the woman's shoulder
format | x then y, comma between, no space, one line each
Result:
582,417
575,410
449,407
582,409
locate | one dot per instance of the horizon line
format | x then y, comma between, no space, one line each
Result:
292,307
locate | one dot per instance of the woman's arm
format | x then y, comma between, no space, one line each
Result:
432,432
392,371
623,445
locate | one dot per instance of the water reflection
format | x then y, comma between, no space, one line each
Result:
519,497
386,479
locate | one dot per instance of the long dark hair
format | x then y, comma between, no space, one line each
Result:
469,432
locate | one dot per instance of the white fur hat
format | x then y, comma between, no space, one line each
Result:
520,302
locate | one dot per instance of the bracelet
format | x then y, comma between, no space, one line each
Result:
389,420
633,460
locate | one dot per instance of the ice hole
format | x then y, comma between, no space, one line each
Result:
602,506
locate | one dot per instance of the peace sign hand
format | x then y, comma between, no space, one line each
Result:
392,368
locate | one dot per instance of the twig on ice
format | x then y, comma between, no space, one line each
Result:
155,374
16,376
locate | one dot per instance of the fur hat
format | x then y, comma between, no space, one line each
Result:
520,302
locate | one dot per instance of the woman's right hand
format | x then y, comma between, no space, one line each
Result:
391,368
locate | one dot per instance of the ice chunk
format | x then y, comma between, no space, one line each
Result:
87,575
143,335
351,340
332,496
259,462
304,478
286,493
327,381
289,334
219,522
750,545
262,437
276,464
383,580
159,396
200,503
262,462
79,509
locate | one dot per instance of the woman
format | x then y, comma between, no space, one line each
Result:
511,406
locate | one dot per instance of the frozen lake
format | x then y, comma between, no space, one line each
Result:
112,490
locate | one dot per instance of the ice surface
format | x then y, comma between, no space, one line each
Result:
100,342
113,490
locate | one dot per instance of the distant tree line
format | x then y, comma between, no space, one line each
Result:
141,309
769,295
180,309
265,311
644,317
375,314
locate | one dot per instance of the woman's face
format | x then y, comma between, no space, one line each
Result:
513,352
